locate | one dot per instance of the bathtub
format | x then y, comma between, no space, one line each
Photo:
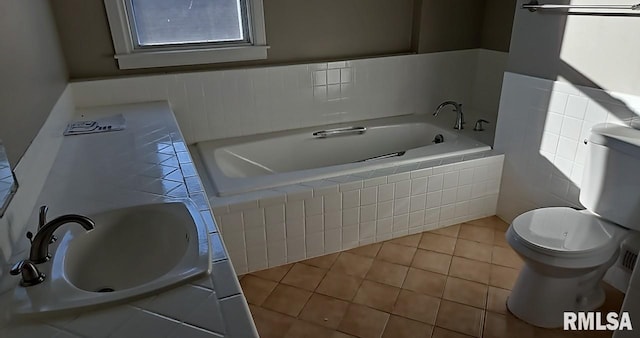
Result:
250,163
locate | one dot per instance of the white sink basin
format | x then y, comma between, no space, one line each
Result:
130,252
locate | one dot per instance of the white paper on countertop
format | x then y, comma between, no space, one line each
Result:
102,125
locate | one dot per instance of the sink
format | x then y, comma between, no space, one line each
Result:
131,252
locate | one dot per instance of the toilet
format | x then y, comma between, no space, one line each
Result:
567,251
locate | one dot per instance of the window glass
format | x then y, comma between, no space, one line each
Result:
176,22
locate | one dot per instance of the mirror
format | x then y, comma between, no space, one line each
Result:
8,183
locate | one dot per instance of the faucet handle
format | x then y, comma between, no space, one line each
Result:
30,273
478,126
42,219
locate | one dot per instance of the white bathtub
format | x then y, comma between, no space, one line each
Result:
244,164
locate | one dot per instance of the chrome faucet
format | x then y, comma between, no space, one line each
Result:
457,107
40,243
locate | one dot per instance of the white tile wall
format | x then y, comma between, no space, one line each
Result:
541,130
220,104
363,211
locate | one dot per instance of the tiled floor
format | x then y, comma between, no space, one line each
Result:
451,282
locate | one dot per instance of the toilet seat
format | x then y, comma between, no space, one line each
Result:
565,237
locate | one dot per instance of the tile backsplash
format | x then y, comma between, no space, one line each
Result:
541,130
221,104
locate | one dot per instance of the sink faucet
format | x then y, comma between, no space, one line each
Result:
40,244
457,107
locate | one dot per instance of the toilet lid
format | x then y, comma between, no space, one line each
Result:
564,230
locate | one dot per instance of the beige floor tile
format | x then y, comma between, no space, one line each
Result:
411,240
473,250
304,276
469,269
497,300
302,329
324,310
376,295
613,300
476,233
417,306
466,292
256,290
499,239
499,326
270,324
501,225
387,273
439,332
352,264
437,243
493,222
275,274
559,333
460,318
400,327
451,231
506,257
425,282
432,261
370,250
324,262
503,277
394,253
287,299
362,321
339,286
338,334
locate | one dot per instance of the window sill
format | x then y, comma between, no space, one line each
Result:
153,59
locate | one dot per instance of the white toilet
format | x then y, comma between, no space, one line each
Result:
567,251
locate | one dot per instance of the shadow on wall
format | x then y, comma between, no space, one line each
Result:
542,125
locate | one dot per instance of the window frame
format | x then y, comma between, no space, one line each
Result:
129,56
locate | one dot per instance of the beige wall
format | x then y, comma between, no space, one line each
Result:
450,25
33,74
309,30
497,24
297,31
595,51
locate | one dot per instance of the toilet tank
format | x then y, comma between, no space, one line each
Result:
611,178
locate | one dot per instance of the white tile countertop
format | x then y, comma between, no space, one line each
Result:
148,162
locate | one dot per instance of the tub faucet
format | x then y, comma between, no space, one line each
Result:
457,107
40,243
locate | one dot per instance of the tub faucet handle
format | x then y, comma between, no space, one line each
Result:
479,126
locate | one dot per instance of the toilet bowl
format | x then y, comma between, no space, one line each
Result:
566,254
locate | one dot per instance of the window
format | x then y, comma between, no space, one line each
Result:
157,33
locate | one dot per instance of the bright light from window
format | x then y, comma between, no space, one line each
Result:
177,22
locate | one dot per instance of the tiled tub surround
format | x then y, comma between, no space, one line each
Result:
221,104
541,131
288,224
146,163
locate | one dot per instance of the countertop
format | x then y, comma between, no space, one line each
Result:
148,162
